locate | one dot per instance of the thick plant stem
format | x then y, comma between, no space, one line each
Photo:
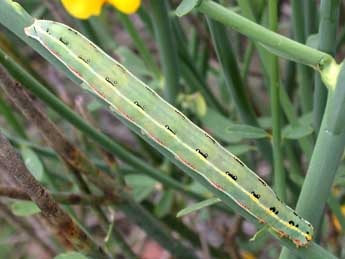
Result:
279,176
167,49
234,81
277,43
328,30
326,156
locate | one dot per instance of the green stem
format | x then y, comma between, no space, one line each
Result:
234,81
140,44
264,56
279,176
304,76
324,162
310,11
284,46
11,118
167,49
327,37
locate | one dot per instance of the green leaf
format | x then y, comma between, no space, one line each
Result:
132,62
238,150
24,208
313,40
199,188
32,163
165,204
224,129
197,206
186,6
142,186
70,255
297,131
241,131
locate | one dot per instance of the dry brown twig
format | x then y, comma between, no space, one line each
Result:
57,218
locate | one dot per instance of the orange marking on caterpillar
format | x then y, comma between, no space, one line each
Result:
217,186
156,139
242,205
185,162
75,72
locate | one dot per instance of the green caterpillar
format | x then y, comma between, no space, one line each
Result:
159,123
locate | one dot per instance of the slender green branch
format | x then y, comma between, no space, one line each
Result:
234,81
166,44
276,43
327,38
264,56
279,176
140,44
304,74
310,11
11,118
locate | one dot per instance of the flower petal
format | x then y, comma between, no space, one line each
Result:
126,6
83,9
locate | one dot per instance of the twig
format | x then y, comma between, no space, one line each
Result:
22,225
57,218
63,198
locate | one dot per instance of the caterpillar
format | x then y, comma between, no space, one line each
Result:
163,126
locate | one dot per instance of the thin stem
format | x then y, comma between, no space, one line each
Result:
140,44
167,48
281,45
11,118
279,176
63,198
310,11
304,75
328,29
264,56
234,81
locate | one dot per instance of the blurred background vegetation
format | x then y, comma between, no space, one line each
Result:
217,77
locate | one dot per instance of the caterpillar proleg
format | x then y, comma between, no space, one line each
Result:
163,125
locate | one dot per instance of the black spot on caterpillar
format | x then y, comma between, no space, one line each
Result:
112,82
256,195
291,223
138,104
86,60
238,160
234,177
205,155
274,210
65,42
168,128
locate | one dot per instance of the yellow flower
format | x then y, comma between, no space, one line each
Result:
83,9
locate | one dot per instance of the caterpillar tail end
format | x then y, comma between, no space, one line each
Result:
30,30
